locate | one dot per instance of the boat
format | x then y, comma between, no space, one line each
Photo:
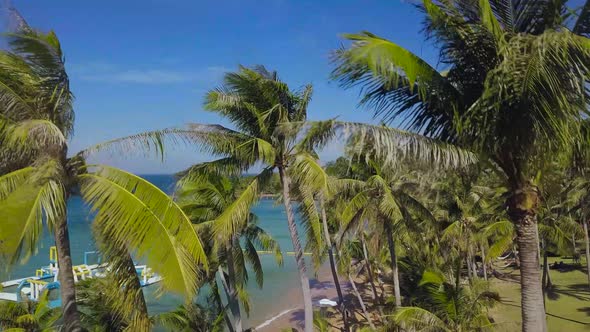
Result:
47,279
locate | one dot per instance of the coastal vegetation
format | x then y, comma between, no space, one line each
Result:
430,226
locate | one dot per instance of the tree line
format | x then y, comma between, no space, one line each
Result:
492,160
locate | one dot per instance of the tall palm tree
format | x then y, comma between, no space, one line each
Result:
384,201
204,198
316,189
557,228
580,210
467,207
130,212
257,102
349,251
513,90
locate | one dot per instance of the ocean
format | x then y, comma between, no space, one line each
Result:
264,304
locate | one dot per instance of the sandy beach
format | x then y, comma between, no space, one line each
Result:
289,307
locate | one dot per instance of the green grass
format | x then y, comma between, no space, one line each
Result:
567,304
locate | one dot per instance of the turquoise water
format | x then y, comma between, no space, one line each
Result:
271,218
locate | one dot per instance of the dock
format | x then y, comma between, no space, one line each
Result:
8,297
16,282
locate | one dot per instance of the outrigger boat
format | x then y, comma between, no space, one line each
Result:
46,279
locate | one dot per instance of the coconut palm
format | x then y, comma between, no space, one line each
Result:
191,317
206,197
449,306
581,196
557,228
466,207
29,316
350,168
384,200
349,264
130,212
256,102
513,90
316,188
97,301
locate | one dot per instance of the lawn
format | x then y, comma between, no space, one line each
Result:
568,303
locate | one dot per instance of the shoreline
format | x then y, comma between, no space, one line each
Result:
291,312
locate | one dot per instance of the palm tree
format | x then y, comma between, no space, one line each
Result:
466,207
257,102
449,306
97,301
131,214
352,169
580,210
557,228
514,90
384,200
191,317
349,252
29,316
206,197
316,189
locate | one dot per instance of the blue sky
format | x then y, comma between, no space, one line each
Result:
143,65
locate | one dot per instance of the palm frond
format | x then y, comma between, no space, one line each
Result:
582,25
234,216
391,144
33,135
397,83
214,139
416,318
488,18
123,293
251,255
534,78
229,166
11,181
23,212
136,213
43,55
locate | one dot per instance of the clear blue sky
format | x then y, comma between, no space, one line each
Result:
143,65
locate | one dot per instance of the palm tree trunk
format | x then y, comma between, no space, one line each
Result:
342,306
538,243
549,282
533,311
474,264
587,241
458,275
396,288
471,262
369,269
140,320
517,256
522,210
483,262
217,302
71,317
362,303
231,302
306,292
469,274
574,247
232,291
545,271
